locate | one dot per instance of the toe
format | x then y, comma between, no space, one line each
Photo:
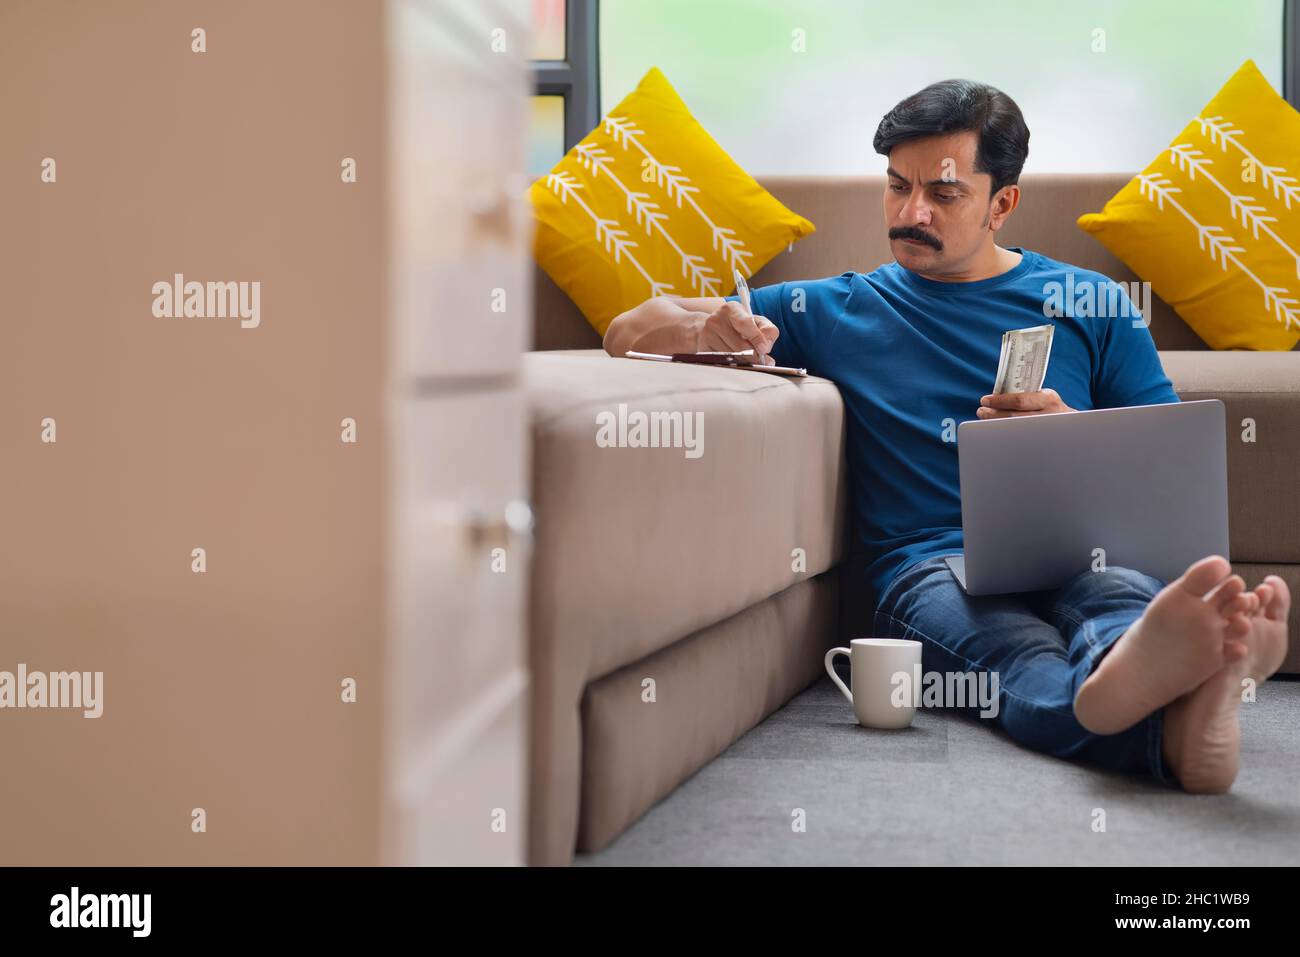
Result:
1202,576
1225,596
1281,603
1238,626
1264,595
1246,603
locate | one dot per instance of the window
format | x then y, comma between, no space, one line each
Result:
548,30
545,133
566,78
798,86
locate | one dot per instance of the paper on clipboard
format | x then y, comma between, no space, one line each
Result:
743,360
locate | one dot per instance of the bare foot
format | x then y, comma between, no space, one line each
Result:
1177,644
1202,736
1267,642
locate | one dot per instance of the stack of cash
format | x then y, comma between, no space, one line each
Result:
1023,364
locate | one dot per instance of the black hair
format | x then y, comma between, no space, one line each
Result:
954,106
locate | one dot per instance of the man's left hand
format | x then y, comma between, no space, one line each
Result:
1021,403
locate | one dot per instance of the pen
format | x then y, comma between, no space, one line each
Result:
742,290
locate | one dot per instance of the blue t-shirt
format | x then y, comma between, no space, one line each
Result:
912,357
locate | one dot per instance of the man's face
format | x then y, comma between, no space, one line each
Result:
938,210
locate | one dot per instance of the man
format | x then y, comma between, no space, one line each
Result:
1114,668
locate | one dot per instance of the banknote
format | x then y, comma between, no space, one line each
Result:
1022,365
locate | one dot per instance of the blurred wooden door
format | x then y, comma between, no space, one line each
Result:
457,666
328,563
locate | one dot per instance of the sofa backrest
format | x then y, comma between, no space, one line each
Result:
848,214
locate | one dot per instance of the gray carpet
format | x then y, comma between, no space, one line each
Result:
953,790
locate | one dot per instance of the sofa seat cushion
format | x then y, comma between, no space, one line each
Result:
1261,395
637,547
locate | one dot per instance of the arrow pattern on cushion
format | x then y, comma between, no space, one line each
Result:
1189,160
593,157
1219,244
1222,133
1287,307
733,250
1277,299
1156,188
614,240
678,187
1242,208
597,160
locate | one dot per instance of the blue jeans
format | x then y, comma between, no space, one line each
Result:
1042,645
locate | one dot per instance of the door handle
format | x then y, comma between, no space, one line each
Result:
487,528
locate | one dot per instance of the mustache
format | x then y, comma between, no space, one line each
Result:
911,232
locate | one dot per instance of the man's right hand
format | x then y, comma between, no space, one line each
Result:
668,324
731,328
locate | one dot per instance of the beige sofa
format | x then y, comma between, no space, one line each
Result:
670,610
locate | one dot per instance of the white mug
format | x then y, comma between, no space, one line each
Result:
873,663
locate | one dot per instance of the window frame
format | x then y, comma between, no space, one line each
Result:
576,78
1291,52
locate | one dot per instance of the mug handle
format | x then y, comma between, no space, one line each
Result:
830,669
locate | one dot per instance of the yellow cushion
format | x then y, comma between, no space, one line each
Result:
647,205
1214,222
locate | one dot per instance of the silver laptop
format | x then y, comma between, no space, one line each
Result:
1040,494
